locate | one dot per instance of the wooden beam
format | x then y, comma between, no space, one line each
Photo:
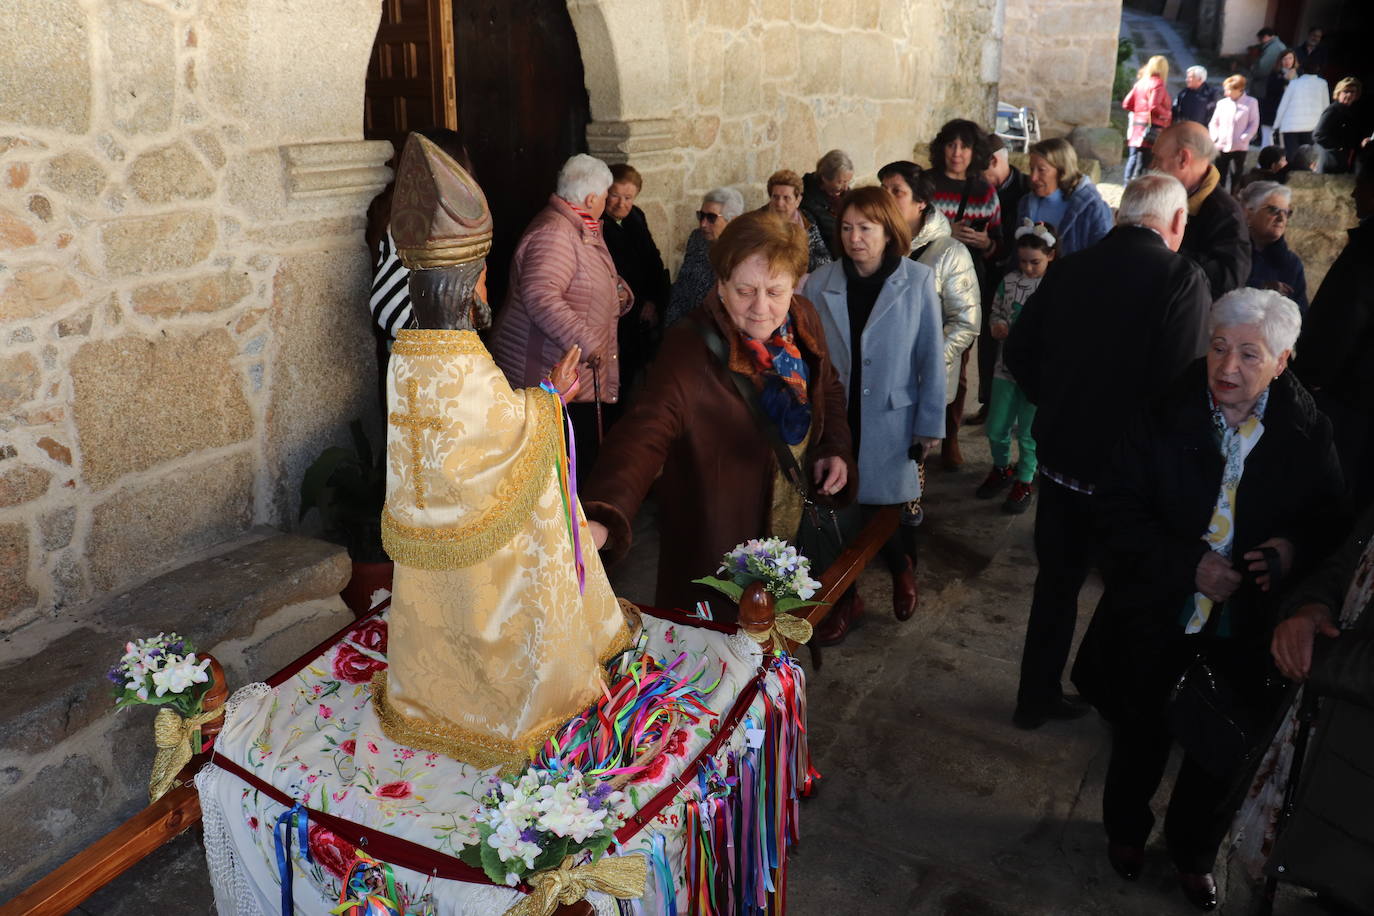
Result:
110,856
847,566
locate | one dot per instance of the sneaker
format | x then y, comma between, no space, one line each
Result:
997,479
1019,499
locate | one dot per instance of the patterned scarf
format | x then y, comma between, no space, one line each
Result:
784,396
1235,447
588,220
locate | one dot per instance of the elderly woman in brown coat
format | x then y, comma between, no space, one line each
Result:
720,481
565,292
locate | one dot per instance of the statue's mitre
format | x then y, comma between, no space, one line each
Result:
439,216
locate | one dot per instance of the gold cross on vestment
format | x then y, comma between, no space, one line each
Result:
413,424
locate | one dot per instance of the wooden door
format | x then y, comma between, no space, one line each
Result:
410,78
522,110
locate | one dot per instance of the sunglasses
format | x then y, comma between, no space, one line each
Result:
709,217
1278,211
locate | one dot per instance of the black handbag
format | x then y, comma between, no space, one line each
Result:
819,537
1203,714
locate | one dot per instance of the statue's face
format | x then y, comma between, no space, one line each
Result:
481,309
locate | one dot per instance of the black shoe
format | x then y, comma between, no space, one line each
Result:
998,479
1019,499
1126,860
1201,890
1062,708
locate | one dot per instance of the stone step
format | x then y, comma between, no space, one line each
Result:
78,768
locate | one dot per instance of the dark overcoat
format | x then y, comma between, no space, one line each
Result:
718,471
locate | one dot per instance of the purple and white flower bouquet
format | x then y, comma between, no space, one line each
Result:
785,574
535,822
162,670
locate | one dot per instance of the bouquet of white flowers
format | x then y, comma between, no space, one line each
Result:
161,671
537,821
785,574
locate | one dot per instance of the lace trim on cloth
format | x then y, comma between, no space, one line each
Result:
443,549
229,877
464,745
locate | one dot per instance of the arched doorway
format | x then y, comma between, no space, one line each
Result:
518,100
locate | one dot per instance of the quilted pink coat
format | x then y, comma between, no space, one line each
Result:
562,292
1148,103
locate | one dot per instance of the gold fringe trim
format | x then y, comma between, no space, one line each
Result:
437,342
445,549
465,745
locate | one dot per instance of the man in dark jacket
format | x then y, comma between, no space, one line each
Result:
1216,239
1088,367
1329,841
1197,99
1334,352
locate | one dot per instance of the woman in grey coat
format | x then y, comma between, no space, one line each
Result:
882,322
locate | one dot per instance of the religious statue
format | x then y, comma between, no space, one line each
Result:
501,614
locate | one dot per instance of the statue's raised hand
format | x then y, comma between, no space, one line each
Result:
564,374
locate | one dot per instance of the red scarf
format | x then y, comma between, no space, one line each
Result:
588,220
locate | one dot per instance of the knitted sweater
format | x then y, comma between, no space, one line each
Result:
983,203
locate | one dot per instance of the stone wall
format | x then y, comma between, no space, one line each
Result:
702,93
1059,59
1322,212
182,277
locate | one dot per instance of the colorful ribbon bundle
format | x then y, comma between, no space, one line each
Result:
567,485
633,717
738,826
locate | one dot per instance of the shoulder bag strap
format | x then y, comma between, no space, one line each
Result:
786,460
963,200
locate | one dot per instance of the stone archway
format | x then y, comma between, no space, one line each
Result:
636,71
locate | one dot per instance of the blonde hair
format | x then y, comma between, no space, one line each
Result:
1235,81
1155,66
1351,83
1060,154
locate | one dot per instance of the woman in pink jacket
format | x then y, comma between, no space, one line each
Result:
1151,111
1233,124
565,292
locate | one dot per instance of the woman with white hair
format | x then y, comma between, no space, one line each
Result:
565,292
1273,265
695,277
1217,496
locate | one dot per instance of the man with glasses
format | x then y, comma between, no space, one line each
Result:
1273,265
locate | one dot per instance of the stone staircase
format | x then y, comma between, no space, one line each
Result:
71,767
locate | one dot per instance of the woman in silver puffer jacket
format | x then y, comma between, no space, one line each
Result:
934,246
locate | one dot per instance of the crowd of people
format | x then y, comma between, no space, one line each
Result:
1283,95
798,374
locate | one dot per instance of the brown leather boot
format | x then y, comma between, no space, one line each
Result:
846,615
950,455
904,597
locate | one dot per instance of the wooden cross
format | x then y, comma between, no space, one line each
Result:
413,424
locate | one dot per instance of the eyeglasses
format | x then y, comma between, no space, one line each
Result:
1278,211
708,216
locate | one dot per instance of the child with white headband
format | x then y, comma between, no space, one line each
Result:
1036,246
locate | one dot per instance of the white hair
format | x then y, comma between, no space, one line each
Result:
1199,72
833,163
731,201
1253,195
1277,315
1153,196
582,175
